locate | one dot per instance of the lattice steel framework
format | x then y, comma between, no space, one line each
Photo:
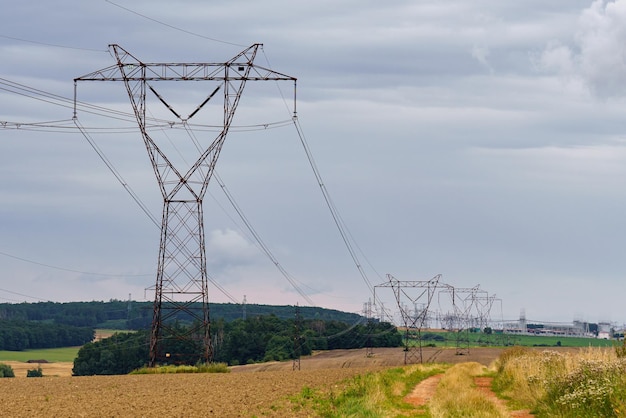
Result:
413,320
181,282
460,319
368,313
298,339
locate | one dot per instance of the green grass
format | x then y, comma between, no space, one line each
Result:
531,340
64,354
480,339
371,395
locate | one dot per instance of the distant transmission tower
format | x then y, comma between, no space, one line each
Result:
367,312
297,339
413,321
181,291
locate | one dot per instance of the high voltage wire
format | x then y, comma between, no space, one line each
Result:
52,45
252,230
26,260
333,209
67,124
174,27
21,294
346,236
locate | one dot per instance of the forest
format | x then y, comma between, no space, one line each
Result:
17,335
132,315
50,324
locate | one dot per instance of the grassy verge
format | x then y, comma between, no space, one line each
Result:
200,368
480,339
64,354
587,383
374,394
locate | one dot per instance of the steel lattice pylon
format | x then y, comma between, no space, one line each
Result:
413,321
460,319
181,291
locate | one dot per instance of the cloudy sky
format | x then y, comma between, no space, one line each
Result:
484,141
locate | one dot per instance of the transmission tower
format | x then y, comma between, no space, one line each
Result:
413,321
460,320
181,291
297,339
367,312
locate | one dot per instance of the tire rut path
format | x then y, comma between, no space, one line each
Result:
425,390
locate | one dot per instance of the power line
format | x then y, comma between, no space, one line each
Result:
52,45
67,269
333,209
258,239
26,296
173,27
341,226
117,175
252,230
65,125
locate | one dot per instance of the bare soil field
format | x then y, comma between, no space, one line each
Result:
382,357
248,391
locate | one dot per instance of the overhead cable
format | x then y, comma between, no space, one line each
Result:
53,45
67,269
172,26
333,210
252,230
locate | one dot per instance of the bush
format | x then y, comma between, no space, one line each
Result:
429,336
34,372
6,370
198,368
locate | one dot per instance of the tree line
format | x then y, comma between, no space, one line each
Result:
133,315
242,341
17,335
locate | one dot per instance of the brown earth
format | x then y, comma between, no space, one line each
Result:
484,385
423,392
251,390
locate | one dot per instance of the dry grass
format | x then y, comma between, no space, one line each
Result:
59,369
457,396
567,384
526,374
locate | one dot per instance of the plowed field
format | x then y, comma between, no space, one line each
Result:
254,390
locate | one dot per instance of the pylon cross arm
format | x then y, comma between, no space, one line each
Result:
241,68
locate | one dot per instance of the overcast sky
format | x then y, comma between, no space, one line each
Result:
484,141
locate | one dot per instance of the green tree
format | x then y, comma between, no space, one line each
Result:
35,372
6,370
